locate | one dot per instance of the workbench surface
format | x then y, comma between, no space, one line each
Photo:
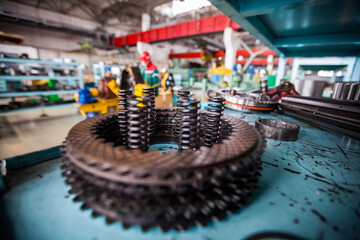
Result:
309,188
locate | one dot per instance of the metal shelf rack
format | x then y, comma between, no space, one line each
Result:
51,65
36,93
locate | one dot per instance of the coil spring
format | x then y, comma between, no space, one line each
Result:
183,100
189,137
122,115
149,93
213,121
123,94
264,84
137,123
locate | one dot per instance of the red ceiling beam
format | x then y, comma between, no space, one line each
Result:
186,29
245,53
221,53
185,55
263,61
256,61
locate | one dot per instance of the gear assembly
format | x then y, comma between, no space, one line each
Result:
109,167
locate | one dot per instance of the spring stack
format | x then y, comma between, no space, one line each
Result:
149,93
213,121
183,100
188,113
264,85
122,115
137,123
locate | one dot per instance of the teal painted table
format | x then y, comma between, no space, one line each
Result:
309,188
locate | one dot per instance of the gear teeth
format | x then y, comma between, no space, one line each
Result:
179,227
84,206
126,226
165,228
95,214
70,180
110,220
202,220
219,215
181,198
145,228
71,191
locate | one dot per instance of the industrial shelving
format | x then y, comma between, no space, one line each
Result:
74,80
36,93
50,65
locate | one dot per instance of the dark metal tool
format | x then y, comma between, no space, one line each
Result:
341,116
277,129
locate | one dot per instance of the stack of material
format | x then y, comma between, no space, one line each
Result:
120,179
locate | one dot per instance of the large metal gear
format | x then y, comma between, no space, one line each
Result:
112,173
245,101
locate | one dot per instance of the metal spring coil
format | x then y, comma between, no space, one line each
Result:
213,121
149,93
264,84
189,136
137,123
183,97
123,94
122,115
183,100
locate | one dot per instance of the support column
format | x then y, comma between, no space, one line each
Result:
231,42
280,70
355,76
295,69
145,22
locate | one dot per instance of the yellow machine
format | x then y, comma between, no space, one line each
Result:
218,71
89,107
100,107
93,101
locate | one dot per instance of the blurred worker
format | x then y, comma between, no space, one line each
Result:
151,74
105,91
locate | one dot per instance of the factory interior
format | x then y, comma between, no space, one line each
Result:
180,119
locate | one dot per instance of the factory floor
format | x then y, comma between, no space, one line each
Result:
32,130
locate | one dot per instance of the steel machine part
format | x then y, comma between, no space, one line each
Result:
354,92
346,91
284,89
213,173
278,130
341,116
246,102
260,100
